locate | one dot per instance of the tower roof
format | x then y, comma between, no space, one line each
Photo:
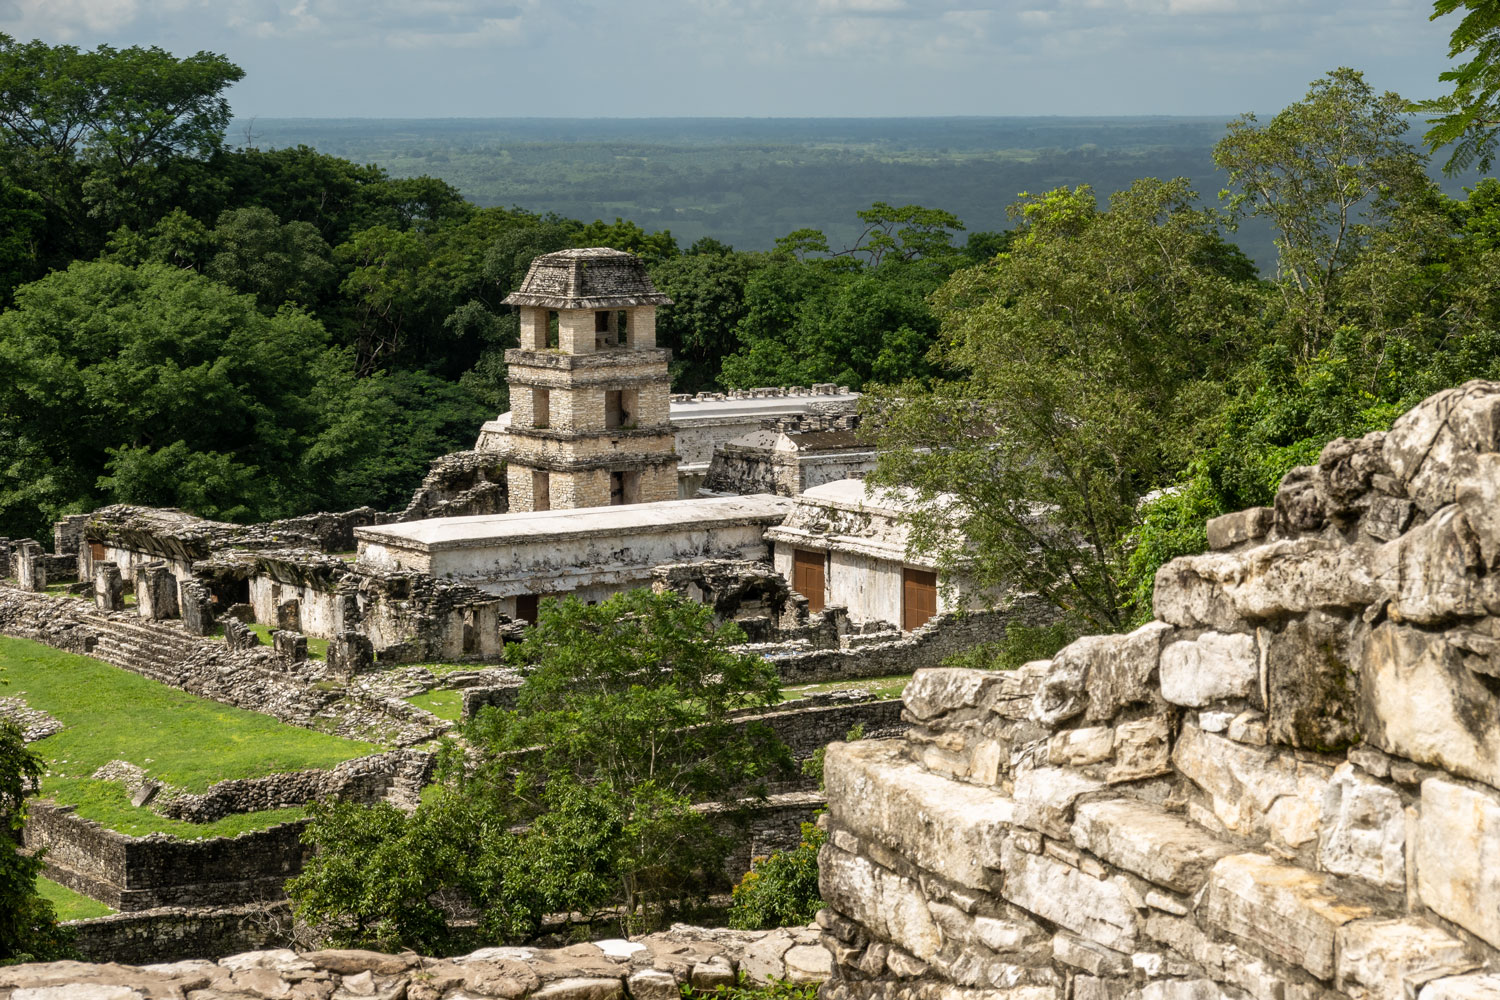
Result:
590,278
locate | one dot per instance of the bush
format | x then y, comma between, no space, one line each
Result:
781,890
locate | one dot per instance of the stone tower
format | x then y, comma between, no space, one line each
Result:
589,388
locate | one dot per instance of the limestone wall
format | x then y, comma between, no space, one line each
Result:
1287,787
653,967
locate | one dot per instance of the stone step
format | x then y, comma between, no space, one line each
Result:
1148,841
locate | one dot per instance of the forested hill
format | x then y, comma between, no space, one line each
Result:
749,181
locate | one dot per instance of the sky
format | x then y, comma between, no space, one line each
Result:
766,58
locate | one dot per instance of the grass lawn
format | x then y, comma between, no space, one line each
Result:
69,904
448,705
186,741
880,687
317,649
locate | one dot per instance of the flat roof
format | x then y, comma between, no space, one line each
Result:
689,411
857,493
488,530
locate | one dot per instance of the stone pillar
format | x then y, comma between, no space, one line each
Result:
67,534
197,607
350,653
290,647
289,616
5,545
346,613
155,591
238,635
109,587
31,571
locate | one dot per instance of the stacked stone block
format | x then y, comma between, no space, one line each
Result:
156,591
109,587
1287,787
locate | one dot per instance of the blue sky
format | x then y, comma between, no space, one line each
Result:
585,58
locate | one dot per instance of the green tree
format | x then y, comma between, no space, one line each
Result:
28,925
1081,360
154,384
708,303
277,263
1327,173
581,799
1468,115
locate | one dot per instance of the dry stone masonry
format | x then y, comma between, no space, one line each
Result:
1287,787
654,967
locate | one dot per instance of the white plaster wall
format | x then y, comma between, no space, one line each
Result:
318,609
379,555
612,562
870,588
129,559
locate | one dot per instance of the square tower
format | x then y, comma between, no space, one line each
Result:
589,388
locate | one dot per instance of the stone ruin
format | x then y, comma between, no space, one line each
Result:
1287,787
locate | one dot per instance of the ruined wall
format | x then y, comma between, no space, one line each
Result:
141,873
175,933
1287,787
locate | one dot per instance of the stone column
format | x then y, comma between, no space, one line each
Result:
197,607
109,587
290,647
31,572
289,616
350,653
156,591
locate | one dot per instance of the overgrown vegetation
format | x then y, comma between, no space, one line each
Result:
581,800
185,741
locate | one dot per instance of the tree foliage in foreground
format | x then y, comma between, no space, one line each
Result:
1468,116
580,800
28,925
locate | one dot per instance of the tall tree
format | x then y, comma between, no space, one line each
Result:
1327,172
1073,361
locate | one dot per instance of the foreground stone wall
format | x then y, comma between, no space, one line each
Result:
1287,787
654,967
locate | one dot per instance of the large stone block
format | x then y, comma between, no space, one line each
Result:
1100,674
197,608
1228,530
1391,959
1098,909
1462,988
940,690
1254,791
1419,700
1290,912
1043,798
1153,844
1437,571
109,587
1214,667
1363,830
1228,591
1424,444
1458,856
1346,469
889,906
155,591
1311,688
947,827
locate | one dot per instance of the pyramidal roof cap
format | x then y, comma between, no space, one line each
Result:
588,278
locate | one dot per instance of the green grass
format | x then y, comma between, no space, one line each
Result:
186,741
448,705
880,687
317,649
69,904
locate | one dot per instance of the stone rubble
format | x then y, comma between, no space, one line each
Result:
1287,787
653,967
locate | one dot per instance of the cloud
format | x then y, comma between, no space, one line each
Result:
68,19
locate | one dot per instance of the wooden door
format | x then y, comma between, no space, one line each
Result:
918,597
807,577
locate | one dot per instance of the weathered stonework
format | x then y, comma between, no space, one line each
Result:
1312,803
